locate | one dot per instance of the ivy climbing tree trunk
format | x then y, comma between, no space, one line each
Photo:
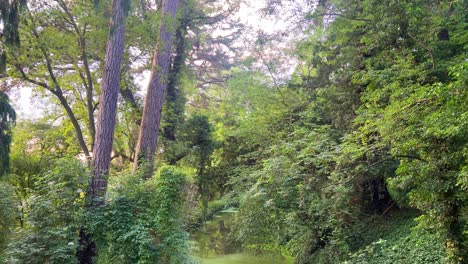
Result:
149,130
173,111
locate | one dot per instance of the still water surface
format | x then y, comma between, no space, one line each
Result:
211,245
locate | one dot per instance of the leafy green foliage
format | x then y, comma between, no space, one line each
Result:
197,133
415,103
54,217
8,213
397,239
380,116
142,221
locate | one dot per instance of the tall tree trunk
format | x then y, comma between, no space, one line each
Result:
7,120
106,122
174,108
108,101
149,130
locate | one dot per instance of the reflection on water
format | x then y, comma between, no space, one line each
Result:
212,245
213,239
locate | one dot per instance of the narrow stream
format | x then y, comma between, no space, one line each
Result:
211,245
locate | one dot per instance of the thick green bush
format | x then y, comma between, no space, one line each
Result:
54,217
142,220
399,241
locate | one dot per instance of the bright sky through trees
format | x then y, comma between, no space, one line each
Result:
251,13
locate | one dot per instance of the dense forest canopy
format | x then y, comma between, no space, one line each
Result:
216,131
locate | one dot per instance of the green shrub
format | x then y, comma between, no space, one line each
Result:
8,213
400,241
142,221
50,233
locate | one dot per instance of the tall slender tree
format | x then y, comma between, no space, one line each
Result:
106,120
149,130
108,101
173,110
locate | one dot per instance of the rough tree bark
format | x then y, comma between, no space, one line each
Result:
108,101
106,122
149,130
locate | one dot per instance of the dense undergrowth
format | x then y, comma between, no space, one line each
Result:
142,221
396,238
